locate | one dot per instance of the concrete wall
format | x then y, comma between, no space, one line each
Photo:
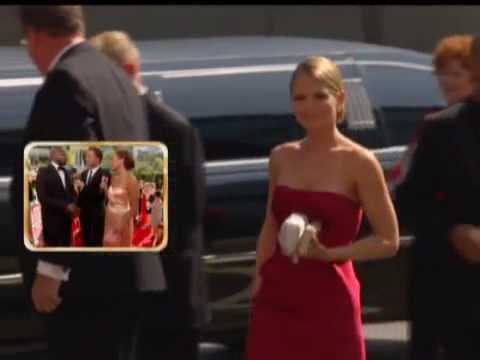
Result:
419,27
416,27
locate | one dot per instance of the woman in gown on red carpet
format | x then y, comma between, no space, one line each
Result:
122,208
310,309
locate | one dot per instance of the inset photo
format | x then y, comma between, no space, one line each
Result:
90,197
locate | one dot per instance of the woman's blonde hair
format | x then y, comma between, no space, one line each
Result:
117,45
327,73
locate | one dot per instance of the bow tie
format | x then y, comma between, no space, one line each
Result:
61,168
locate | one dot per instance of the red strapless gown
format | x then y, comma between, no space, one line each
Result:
143,235
310,310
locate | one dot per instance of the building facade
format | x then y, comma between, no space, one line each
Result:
381,24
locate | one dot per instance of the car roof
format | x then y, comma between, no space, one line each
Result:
251,47
185,52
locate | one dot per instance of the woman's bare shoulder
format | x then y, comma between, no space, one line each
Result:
282,154
287,147
358,155
132,180
285,150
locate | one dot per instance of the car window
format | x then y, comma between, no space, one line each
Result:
239,115
402,96
15,105
360,122
245,136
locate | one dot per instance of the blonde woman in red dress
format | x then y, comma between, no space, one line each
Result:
310,309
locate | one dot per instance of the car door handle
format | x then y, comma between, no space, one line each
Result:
11,279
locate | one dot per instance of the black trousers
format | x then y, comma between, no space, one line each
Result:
461,331
174,344
163,336
458,343
94,328
444,318
463,344
93,225
425,320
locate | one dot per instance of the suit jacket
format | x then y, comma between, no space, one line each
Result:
91,200
87,97
182,259
54,198
442,189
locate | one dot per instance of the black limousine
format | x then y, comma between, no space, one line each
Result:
235,91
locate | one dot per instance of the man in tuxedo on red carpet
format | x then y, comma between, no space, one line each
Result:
57,200
91,198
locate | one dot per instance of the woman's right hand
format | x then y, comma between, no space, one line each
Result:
257,283
309,240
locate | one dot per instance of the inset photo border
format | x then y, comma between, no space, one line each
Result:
104,196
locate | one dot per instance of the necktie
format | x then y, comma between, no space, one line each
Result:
62,170
89,177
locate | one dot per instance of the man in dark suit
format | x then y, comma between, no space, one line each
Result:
440,199
90,301
57,199
91,198
173,321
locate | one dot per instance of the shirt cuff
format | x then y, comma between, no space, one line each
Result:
54,271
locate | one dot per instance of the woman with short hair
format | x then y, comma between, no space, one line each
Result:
451,61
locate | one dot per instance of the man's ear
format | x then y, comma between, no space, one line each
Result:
131,69
39,36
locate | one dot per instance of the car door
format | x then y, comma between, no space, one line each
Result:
16,97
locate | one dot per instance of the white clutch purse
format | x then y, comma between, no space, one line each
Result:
296,232
290,233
